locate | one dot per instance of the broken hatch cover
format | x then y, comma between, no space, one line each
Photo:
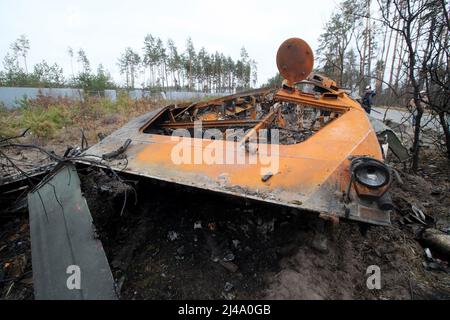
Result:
295,60
63,240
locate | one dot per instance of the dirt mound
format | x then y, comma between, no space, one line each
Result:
341,272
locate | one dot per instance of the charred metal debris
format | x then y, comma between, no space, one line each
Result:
255,110
329,163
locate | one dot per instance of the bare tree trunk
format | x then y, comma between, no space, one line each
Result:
416,86
380,68
190,74
419,27
401,57
132,76
383,56
394,55
445,126
369,41
25,63
364,55
387,53
165,75
445,36
416,143
150,76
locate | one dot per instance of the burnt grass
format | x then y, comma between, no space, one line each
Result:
156,253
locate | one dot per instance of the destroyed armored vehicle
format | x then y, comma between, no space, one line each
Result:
307,145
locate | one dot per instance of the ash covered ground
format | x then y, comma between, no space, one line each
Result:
178,243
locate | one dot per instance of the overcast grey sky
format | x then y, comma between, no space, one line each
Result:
103,28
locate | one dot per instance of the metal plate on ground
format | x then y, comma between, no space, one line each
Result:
63,242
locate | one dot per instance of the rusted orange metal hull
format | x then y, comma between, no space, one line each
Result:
312,175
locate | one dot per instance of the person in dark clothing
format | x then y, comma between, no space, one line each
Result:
367,99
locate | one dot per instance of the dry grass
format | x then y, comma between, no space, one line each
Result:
58,122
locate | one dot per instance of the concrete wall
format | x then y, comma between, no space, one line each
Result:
10,95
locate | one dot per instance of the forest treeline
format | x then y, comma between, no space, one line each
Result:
164,66
160,67
17,73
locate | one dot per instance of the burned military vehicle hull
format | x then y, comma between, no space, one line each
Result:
307,146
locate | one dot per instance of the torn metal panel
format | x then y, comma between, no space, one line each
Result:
63,235
394,142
